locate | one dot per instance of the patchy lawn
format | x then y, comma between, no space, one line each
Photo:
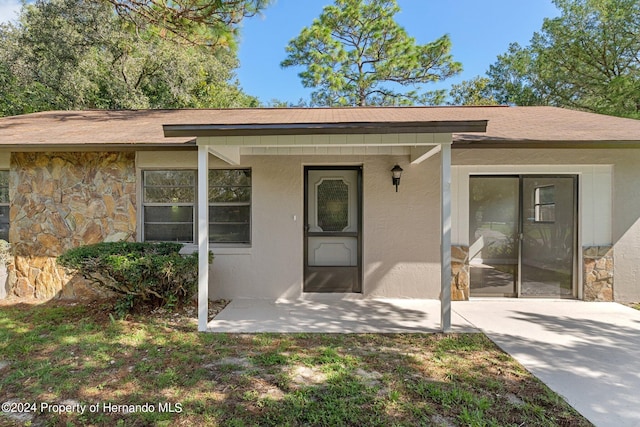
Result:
154,369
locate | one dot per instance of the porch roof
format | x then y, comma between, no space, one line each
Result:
505,126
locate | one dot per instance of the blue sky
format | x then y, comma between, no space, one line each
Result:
480,30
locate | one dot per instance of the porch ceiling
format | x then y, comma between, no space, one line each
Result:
420,140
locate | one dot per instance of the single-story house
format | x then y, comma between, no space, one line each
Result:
511,201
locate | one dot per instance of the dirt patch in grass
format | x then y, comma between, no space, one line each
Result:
153,368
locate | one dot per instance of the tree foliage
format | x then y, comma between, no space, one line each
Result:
513,78
355,53
203,22
77,54
588,58
472,92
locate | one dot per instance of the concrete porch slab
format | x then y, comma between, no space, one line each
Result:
326,315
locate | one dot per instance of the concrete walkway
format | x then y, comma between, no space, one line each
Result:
587,352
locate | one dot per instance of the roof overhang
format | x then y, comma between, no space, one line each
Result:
270,129
523,144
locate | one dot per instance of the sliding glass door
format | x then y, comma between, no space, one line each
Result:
522,235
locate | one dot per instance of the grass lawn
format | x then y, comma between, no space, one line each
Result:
154,369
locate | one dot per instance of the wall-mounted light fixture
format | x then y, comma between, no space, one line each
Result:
396,174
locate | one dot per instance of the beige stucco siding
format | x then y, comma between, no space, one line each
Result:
271,267
397,261
402,230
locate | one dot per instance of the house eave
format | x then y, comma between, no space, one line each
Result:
534,144
271,129
37,147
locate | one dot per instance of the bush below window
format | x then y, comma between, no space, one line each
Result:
142,274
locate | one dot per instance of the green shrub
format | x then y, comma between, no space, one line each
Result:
150,274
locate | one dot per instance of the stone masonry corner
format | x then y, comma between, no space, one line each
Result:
59,201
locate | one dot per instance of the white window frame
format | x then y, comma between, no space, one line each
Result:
538,204
144,204
213,205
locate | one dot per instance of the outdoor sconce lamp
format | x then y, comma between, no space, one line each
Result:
396,173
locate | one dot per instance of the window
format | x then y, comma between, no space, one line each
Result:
230,206
170,210
169,205
4,205
544,202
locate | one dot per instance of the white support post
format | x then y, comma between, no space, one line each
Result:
445,245
203,237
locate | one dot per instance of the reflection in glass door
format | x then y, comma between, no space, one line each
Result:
493,235
548,236
522,235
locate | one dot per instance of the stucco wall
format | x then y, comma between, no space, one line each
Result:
614,194
62,200
398,261
402,230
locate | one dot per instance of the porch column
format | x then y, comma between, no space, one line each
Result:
445,241
203,237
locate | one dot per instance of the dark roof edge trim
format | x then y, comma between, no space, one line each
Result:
450,126
487,144
188,146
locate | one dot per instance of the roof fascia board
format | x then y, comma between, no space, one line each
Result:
39,147
199,130
489,144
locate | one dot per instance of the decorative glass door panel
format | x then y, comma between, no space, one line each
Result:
332,232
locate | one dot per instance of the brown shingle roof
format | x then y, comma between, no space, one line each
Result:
550,124
505,124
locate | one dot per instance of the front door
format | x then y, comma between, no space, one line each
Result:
332,258
522,232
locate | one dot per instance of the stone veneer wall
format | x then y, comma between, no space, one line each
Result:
459,273
62,200
598,273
